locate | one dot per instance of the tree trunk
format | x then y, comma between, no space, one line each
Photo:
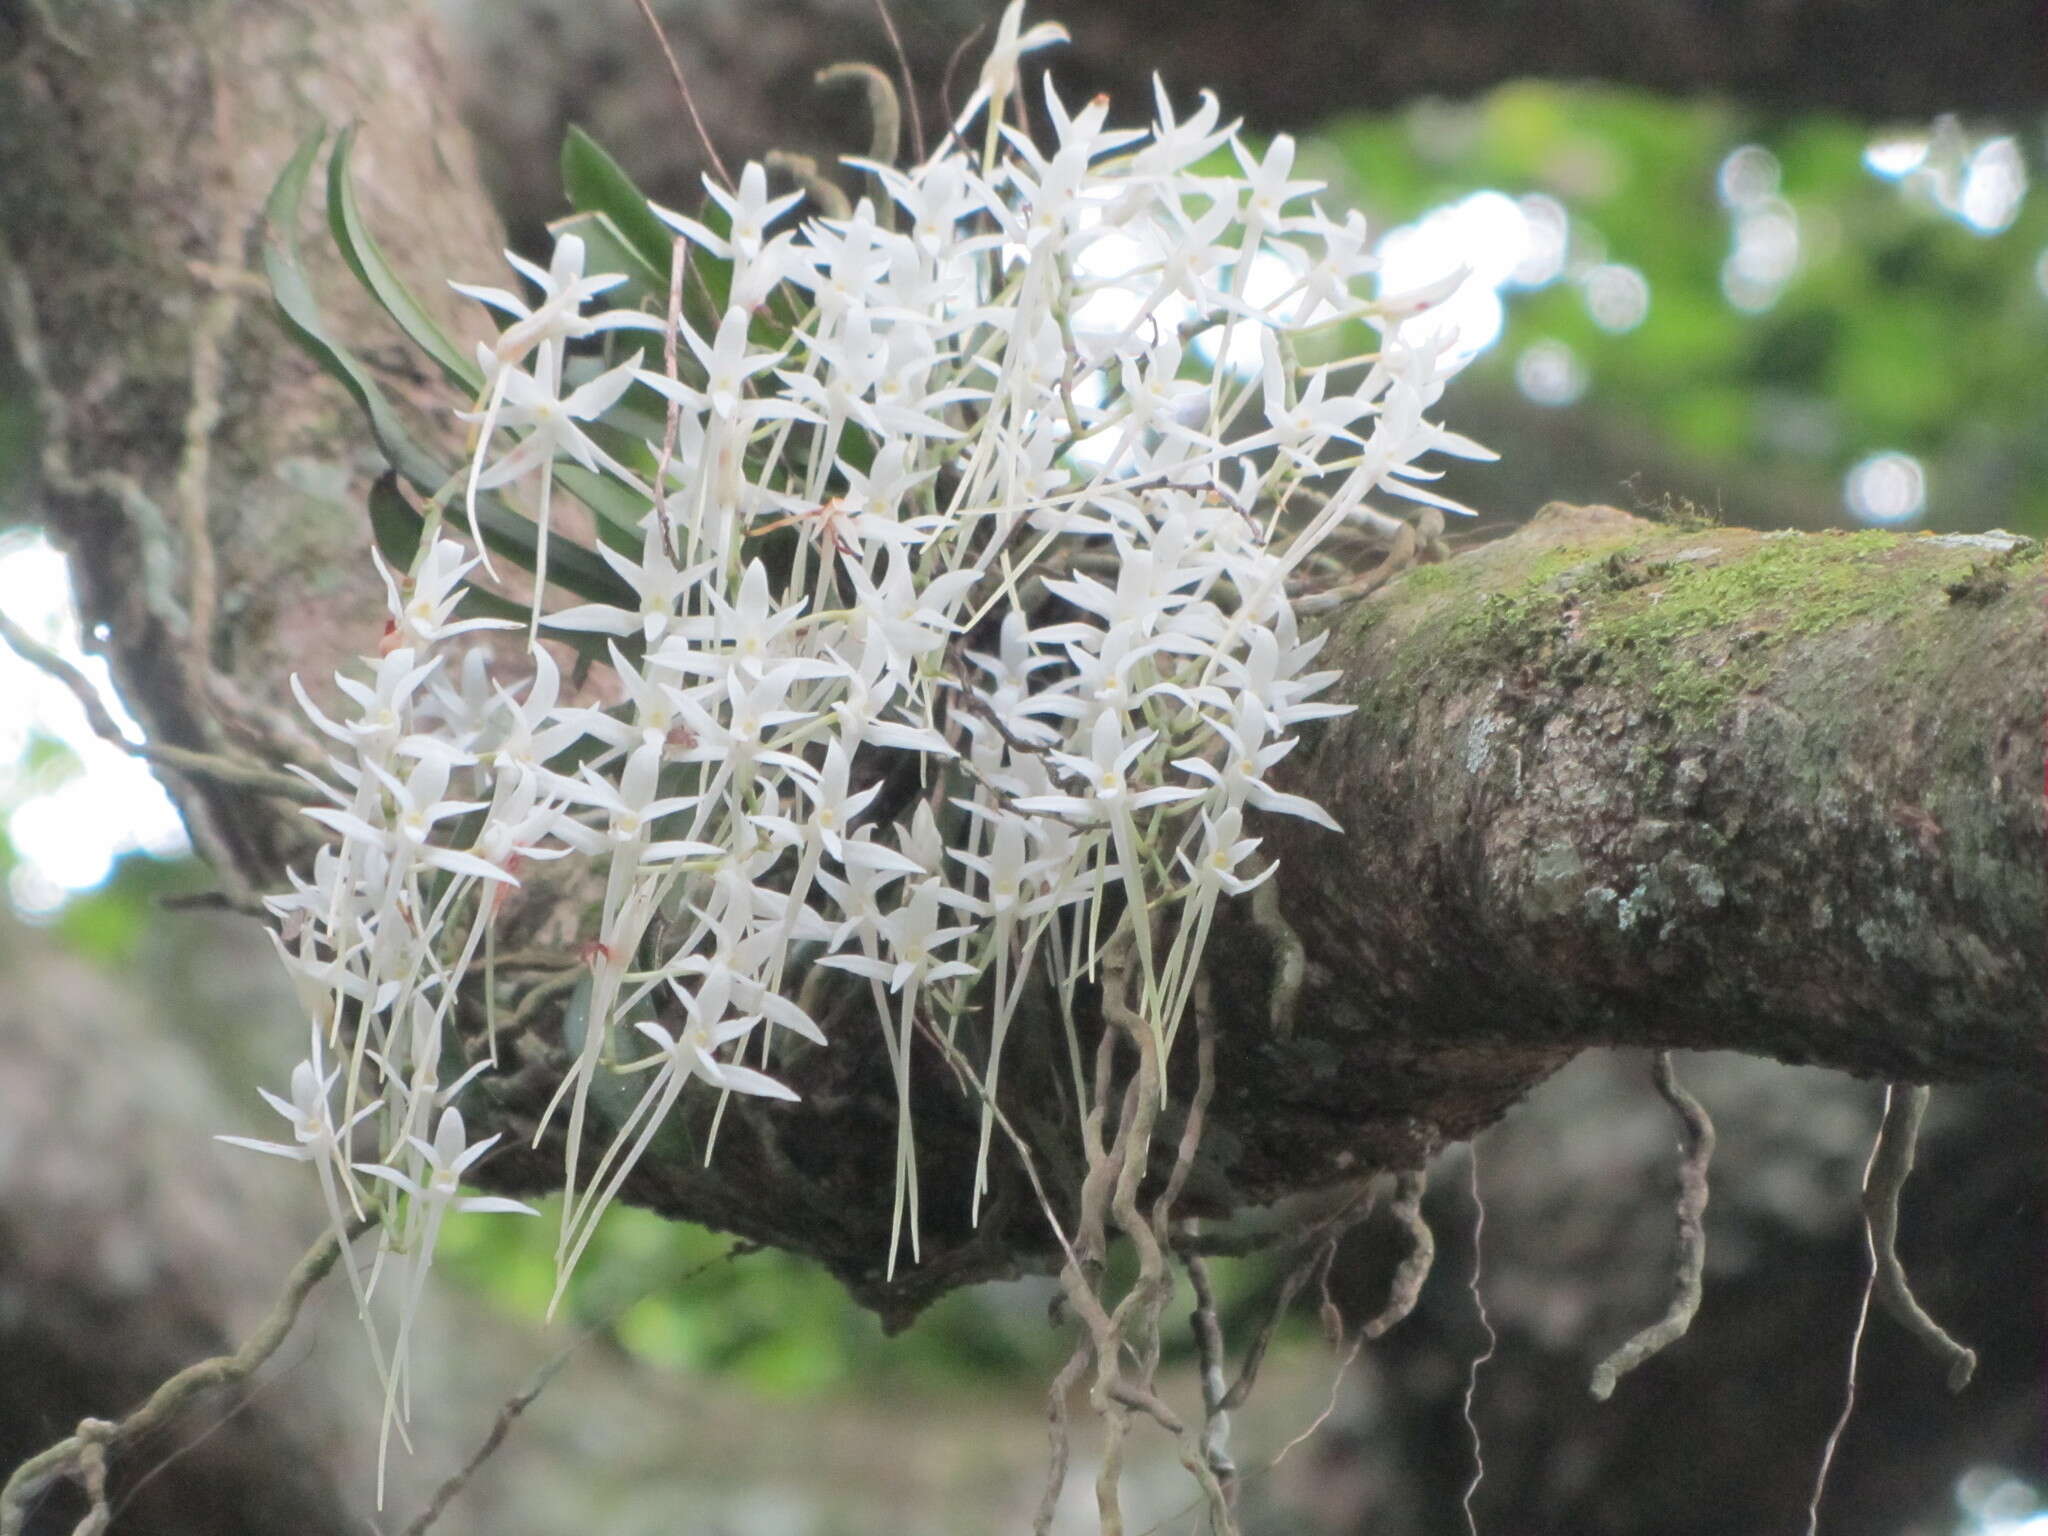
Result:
207,483
1616,783
206,479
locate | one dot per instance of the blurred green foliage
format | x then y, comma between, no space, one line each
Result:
667,1293
1902,327
110,924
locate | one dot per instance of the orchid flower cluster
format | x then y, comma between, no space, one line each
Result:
1031,425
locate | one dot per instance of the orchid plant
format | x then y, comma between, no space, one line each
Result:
1030,422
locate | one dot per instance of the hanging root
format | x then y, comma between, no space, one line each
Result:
1486,1354
1122,1342
885,110
1692,1235
1056,1429
83,1456
1891,1161
1314,1251
821,189
1407,1287
1208,1331
1291,956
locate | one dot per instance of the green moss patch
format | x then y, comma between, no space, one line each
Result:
1694,621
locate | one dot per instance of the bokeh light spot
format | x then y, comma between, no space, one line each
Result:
1617,296
1748,176
1886,488
67,834
1994,185
1549,373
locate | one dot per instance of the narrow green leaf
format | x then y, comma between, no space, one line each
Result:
619,511
366,259
395,525
571,566
596,184
294,296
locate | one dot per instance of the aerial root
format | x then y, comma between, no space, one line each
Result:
1291,956
1891,1162
1208,1332
1414,1269
1122,1342
885,108
1056,1429
821,189
1884,1176
82,1456
1692,1235
1486,1354
1315,1252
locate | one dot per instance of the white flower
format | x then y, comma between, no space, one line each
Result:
834,807
916,940
421,604
417,805
976,501
316,1137
1246,757
999,72
677,1060
748,214
432,1185
551,423
442,1163
559,316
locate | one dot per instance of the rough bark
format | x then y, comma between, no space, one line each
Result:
206,479
1616,783
1282,66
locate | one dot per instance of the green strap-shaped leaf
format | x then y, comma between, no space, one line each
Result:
616,219
294,296
596,184
620,512
572,566
393,523
366,259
